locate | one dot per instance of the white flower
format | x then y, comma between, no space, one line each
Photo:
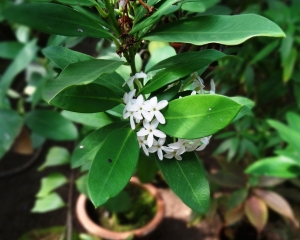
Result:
129,96
158,147
150,130
142,143
172,154
133,115
191,145
179,146
198,84
138,107
131,79
212,87
205,142
153,107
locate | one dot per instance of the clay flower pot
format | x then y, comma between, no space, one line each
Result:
97,230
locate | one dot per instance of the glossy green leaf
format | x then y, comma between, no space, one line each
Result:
113,166
187,178
77,73
21,61
180,66
198,6
96,120
10,127
88,98
88,3
247,105
114,82
146,168
198,115
50,124
227,30
88,147
56,156
51,182
49,203
154,18
10,50
287,134
279,166
293,121
62,57
55,19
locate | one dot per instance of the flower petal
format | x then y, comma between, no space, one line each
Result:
150,139
160,154
159,133
160,117
162,104
142,132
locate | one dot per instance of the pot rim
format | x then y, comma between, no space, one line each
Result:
97,230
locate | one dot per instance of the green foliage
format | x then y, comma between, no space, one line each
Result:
199,120
55,157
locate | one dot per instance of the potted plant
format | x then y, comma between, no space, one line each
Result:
143,201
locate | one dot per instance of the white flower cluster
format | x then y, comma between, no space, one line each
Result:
148,113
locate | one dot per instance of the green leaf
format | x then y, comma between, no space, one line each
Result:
62,57
160,54
56,156
49,203
187,178
10,127
88,98
236,198
196,6
247,105
180,66
50,124
51,182
21,61
265,52
96,120
154,18
120,203
77,73
287,134
10,50
81,184
146,168
114,82
55,19
198,115
289,64
279,166
293,121
88,147
227,30
113,165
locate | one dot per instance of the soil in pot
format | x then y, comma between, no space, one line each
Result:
133,208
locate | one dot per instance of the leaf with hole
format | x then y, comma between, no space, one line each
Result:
113,166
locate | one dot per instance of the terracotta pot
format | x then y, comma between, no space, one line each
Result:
97,230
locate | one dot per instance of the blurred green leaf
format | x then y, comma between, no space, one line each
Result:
146,168
10,126
10,50
237,198
51,182
50,124
120,203
49,203
56,156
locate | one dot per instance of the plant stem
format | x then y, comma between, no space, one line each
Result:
100,10
111,16
69,208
